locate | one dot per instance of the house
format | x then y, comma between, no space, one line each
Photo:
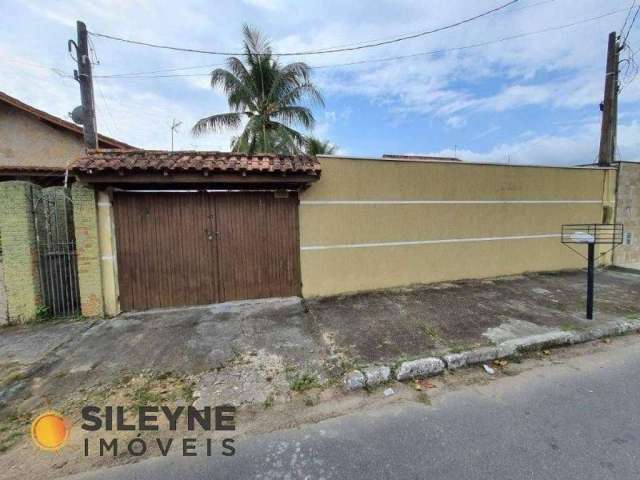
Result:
37,146
627,212
166,229
415,158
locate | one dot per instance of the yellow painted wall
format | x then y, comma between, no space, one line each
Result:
336,238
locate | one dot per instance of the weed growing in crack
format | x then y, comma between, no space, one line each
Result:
429,331
268,402
303,382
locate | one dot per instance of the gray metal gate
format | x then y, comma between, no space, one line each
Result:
56,246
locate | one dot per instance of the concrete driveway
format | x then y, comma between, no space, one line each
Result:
57,360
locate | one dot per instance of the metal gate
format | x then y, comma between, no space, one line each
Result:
56,247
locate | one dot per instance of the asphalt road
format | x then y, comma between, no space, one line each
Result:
578,419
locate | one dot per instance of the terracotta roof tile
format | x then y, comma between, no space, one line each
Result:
134,160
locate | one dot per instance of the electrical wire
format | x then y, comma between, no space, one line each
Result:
315,52
631,26
509,11
626,19
403,57
111,125
194,67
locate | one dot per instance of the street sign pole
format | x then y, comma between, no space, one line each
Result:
590,273
590,234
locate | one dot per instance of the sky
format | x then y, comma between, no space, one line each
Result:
528,100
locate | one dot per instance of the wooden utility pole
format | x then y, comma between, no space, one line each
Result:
609,106
83,76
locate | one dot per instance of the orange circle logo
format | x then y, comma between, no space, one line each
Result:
50,431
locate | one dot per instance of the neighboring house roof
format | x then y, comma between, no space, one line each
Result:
103,140
420,157
159,161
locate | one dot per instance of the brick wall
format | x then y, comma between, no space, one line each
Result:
20,260
628,213
88,252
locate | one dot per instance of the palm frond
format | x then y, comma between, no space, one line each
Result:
239,93
271,95
287,78
254,41
216,123
294,114
314,146
306,91
296,138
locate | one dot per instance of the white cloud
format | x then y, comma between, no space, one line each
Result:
576,149
554,71
456,121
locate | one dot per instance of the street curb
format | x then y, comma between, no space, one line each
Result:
430,366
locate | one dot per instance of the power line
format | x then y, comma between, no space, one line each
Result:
402,57
314,52
214,65
626,19
162,70
476,45
511,10
630,26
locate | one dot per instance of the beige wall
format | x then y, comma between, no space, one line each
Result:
29,142
106,239
357,220
628,213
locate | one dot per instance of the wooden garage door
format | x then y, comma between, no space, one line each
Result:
178,249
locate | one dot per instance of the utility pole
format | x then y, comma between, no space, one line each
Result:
83,76
174,128
609,106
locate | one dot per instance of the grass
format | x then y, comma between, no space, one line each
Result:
460,347
303,382
268,402
8,441
157,389
11,372
42,313
13,427
429,331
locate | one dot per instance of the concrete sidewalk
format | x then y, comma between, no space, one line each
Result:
383,326
247,342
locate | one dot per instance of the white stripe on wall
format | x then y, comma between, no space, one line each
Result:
439,202
426,242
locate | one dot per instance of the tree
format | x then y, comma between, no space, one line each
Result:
269,96
314,146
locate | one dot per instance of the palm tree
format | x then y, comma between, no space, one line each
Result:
268,95
314,146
